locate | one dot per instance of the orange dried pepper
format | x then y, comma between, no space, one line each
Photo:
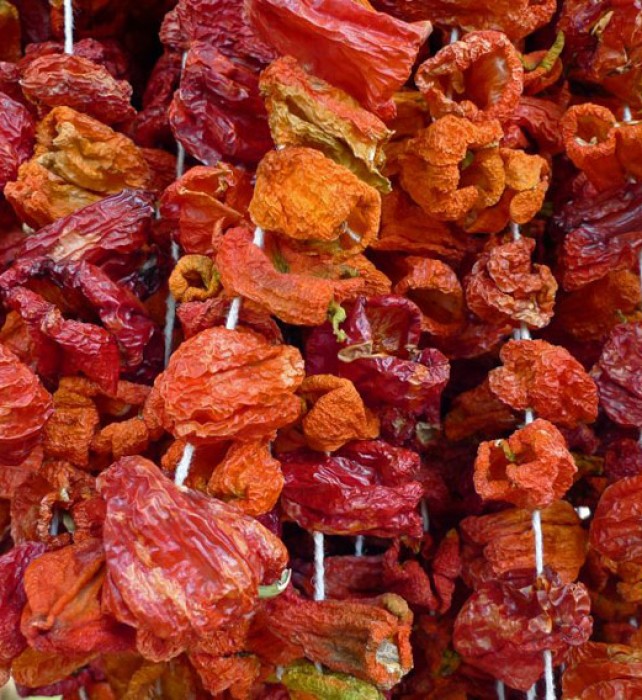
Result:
434,287
526,181
224,384
70,430
406,228
478,411
503,284
63,609
495,544
597,670
128,437
248,477
205,202
337,414
531,469
453,167
193,279
301,296
546,378
369,640
338,213
478,77
589,137
304,110
77,161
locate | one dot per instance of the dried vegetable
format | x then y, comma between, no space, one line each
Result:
272,422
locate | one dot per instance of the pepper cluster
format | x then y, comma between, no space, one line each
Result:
347,471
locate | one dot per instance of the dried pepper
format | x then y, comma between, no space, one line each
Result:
77,161
617,375
335,413
214,557
205,202
515,19
217,111
514,613
368,54
453,167
369,640
547,379
531,469
18,136
197,397
478,77
493,545
306,111
73,81
271,279
365,487
26,407
339,214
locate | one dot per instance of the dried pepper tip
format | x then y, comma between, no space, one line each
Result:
276,588
337,315
304,678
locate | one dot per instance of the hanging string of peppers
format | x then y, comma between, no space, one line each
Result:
272,421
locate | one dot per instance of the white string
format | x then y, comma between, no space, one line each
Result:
170,311
501,693
68,10
319,566
358,546
182,468
523,333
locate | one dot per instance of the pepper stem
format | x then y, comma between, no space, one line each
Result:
276,588
337,315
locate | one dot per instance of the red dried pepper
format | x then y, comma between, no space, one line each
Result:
618,374
204,203
217,111
214,557
73,81
369,640
12,600
505,626
18,135
597,670
116,225
26,407
364,488
516,19
368,54
63,607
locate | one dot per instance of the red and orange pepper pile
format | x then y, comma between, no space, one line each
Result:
347,471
